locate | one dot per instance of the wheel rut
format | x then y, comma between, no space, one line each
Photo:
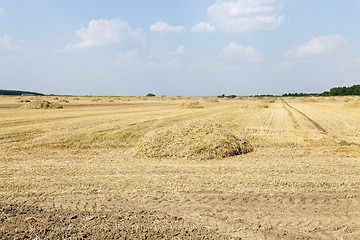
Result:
314,123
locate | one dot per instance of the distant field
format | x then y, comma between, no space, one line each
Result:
78,165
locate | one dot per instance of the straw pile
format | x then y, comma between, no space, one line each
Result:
270,100
254,105
194,139
309,99
210,100
42,104
352,104
191,104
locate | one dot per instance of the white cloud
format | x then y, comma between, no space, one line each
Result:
103,32
180,50
202,27
318,46
246,15
165,27
241,53
6,43
128,58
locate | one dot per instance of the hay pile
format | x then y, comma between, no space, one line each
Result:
42,104
309,100
254,105
191,104
194,139
270,100
210,100
352,104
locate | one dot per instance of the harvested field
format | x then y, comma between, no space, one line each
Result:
72,173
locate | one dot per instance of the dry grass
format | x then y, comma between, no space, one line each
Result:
194,139
352,104
252,105
269,100
210,100
192,104
41,104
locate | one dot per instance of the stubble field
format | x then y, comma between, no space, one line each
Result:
75,173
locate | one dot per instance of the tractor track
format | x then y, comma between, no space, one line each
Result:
314,123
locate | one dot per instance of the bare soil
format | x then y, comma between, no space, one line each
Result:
26,220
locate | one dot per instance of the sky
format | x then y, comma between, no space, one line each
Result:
179,47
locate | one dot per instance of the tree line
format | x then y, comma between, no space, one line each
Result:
336,91
19,93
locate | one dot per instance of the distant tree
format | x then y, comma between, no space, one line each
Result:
150,95
336,91
343,91
221,96
17,92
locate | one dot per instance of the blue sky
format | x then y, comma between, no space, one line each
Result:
189,48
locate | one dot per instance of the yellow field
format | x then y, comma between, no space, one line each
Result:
301,181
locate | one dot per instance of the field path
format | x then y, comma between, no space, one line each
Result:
315,124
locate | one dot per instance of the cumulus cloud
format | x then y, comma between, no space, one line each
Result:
165,27
6,43
246,15
202,27
241,53
180,50
318,46
103,32
129,58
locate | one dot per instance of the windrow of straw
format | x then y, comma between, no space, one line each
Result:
352,104
254,105
210,100
194,139
191,104
42,104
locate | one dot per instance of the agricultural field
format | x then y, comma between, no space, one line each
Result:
119,167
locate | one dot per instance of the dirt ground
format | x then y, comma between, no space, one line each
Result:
71,173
